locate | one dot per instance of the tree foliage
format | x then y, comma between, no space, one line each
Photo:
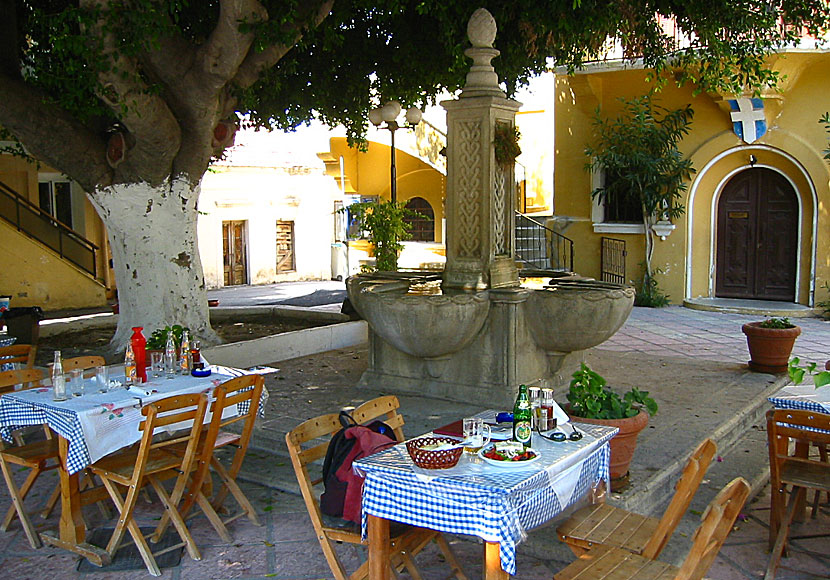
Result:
385,224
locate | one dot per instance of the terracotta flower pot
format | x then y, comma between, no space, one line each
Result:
769,348
622,444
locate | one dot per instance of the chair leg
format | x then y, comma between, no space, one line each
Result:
449,556
23,492
51,502
229,484
17,502
778,496
127,523
796,499
170,503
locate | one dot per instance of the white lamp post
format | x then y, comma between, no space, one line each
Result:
385,117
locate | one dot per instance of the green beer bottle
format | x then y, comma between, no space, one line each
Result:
522,431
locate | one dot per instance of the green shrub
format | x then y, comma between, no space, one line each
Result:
591,398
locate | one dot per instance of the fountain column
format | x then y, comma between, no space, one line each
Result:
480,193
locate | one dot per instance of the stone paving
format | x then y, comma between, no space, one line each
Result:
284,547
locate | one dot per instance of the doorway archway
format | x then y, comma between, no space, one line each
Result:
757,237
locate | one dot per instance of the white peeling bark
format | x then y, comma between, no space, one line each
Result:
152,233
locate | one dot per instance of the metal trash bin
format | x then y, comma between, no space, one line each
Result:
24,323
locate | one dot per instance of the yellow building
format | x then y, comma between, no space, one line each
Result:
756,221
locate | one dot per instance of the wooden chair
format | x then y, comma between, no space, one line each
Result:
305,448
133,468
642,535
609,563
83,363
38,456
23,354
246,392
798,470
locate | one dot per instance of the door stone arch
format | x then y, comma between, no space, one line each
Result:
757,223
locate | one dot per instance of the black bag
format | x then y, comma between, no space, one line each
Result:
331,500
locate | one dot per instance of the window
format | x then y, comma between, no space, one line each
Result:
55,199
285,246
423,227
620,215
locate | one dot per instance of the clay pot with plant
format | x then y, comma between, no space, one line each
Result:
770,343
590,400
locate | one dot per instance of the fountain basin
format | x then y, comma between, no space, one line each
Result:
576,315
423,326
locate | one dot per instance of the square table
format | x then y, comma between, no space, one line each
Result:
497,504
802,397
89,428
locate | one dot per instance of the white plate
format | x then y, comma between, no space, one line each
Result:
508,464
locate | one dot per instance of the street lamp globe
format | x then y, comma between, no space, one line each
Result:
376,117
390,111
413,115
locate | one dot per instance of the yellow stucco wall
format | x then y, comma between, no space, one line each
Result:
792,146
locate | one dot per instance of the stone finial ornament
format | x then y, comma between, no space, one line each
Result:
481,29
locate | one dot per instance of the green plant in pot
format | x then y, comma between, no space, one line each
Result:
158,338
770,343
592,401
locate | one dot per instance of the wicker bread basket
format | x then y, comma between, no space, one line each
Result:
429,459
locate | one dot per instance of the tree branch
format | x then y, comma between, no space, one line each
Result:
146,115
53,136
256,62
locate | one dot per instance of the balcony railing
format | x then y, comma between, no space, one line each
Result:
32,221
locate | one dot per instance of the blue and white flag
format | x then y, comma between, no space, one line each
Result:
749,120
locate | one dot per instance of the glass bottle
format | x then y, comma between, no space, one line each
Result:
170,356
58,380
129,365
196,355
185,357
522,431
139,344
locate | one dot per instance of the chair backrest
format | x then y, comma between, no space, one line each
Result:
83,363
163,415
23,354
716,523
29,378
303,448
245,392
685,490
786,424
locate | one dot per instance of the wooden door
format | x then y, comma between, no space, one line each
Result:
235,252
285,246
757,237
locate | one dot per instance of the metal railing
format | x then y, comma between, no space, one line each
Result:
39,225
541,248
612,265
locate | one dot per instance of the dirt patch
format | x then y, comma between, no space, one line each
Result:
94,341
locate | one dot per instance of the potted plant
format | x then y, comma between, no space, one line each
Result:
770,343
158,339
591,401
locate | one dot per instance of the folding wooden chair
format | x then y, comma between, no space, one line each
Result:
37,456
133,468
82,362
609,563
798,470
642,535
23,354
305,448
243,392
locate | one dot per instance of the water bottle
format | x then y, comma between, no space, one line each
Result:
129,366
170,356
58,381
184,359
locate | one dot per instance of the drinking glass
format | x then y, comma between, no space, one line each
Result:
102,379
76,382
170,366
156,364
474,434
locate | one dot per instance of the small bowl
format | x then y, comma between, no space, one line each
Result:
200,372
429,459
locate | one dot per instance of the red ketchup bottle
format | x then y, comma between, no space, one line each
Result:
139,344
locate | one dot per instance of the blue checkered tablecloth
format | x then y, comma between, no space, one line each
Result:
493,503
97,423
6,341
802,397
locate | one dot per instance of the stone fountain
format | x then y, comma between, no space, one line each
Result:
474,333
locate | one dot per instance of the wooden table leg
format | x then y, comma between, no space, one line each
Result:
379,550
492,562
72,532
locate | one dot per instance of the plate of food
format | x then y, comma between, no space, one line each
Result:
508,454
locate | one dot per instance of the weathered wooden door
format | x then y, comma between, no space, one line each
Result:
757,237
235,252
285,246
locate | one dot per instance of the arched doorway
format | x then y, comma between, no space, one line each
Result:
757,237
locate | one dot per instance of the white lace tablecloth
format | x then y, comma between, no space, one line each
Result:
96,424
